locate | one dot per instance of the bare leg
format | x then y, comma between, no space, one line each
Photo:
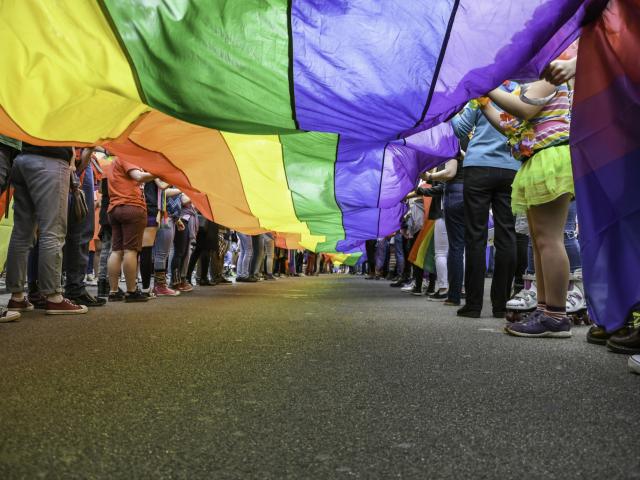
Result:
541,294
114,266
130,267
548,221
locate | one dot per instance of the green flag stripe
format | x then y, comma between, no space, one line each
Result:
211,62
309,160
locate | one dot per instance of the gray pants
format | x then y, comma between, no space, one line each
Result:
105,251
40,201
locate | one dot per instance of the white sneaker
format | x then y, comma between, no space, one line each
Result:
90,279
408,287
8,316
634,364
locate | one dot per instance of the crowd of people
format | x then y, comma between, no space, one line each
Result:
512,182
84,217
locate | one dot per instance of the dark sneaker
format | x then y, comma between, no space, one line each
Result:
241,279
184,287
269,277
253,279
539,325
398,284
451,303
88,300
103,288
225,281
137,296
38,300
468,312
416,291
116,296
634,364
438,297
65,307
7,316
20,306
206,283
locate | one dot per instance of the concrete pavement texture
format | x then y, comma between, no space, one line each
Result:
324,377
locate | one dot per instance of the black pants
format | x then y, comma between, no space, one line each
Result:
485,188
206,246
370,246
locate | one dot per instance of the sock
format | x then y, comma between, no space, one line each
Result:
556,312
146,267
541,307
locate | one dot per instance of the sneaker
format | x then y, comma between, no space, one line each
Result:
90,279
149,293
7,316
65,307
468,312
539,325
116,296
164,291
634,364
438,297
38,300
417,292
184,287
137,296
451,303
225,281
408,288
398,284
206,283
254,279
23,305
88,300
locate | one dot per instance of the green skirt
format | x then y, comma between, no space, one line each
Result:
543,178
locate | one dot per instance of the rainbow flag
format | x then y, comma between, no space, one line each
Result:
308,118
419,254
605,146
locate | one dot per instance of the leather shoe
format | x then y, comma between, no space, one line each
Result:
627,342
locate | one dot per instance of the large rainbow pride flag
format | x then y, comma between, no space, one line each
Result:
605,147
306,117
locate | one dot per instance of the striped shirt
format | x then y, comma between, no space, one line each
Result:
551,124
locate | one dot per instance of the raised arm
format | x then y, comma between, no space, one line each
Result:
515,106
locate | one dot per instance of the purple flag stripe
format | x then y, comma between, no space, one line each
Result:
609,229
614,114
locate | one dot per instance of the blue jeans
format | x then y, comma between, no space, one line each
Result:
40,202
258,254
246,255
454,222
382,248
398,244
162,245
76,247
571,244
269,248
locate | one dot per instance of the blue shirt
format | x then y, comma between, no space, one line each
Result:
488,147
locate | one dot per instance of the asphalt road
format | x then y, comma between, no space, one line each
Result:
329,377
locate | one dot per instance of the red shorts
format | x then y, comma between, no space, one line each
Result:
127,226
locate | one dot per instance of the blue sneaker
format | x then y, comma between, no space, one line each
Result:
540,325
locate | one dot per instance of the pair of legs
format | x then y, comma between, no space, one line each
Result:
546,227
488,188
41,188
127,229
441,243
